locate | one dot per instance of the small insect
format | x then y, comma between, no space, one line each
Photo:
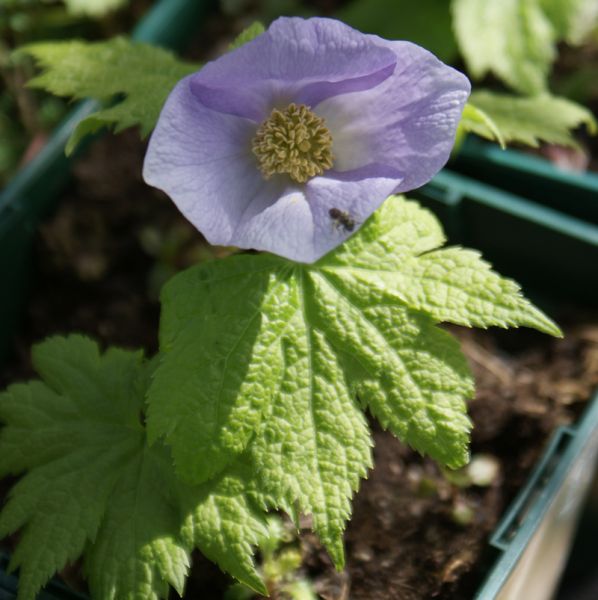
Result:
342,219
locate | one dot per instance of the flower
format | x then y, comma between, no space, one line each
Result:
288,143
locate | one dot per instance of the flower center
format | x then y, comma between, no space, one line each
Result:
293,141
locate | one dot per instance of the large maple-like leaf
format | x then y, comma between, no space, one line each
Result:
271,359
94,488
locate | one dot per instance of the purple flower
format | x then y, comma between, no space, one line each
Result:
290,142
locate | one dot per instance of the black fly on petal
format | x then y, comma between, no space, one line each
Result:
342,219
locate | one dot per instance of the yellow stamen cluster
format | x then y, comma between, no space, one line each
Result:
293,141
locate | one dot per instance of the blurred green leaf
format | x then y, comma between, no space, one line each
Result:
475,120
513,39
573,20
94,8
528,120
247,35
426,22
144,75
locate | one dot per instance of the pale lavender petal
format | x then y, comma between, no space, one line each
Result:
296,60
298,225
408,122
357,198
202,160
281,225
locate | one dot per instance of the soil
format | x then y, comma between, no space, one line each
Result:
416,532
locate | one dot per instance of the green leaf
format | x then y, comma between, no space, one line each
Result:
513,39
138,550
74,434
94,8
247,35
398,252
93,486
475,120
573,20
141,74
225,523
426,22
224,337
314,445
527,120
316,341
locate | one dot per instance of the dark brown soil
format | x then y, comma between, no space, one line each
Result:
93,273
100,261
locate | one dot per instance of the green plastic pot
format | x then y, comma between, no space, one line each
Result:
552,254
533,539
550,251
532,177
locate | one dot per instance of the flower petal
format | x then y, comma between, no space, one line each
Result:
202,160
408,122
354,194
284,227
295,60
298,225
